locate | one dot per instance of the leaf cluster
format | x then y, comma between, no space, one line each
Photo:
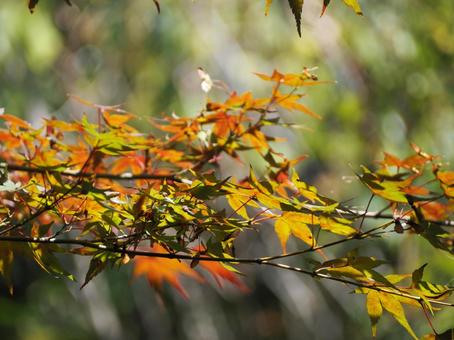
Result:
101,188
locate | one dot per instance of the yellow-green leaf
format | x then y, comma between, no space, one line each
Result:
354,5
337,226
374,309
394,307
6,264
238,205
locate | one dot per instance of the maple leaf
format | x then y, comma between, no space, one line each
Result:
297,9
354,4
374,309
158,270
392,305
293,223
219,271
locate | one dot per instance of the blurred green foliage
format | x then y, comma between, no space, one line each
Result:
394,69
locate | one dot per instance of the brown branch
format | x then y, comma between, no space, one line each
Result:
120,177
259,261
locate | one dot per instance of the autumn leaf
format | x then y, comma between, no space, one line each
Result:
160,270
385,186
354,4
428,289
305,78
374,309
394,307
293,223
220,272
297,9
267,6
15,122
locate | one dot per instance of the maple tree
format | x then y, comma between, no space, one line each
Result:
101,188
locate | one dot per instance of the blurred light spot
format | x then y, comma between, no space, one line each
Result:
404,45
43,42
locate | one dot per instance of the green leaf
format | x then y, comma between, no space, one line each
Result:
297,9
439,238
417,275
46,260
385,187
98,263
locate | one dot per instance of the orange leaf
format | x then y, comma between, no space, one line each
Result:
218,271
158,270
446,177
15,121
116,120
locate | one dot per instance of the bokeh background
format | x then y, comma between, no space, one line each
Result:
394,73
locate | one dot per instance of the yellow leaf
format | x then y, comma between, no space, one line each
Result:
374,309
283,231
267,6
337,226
268,201
394,307
238,205
293,223
354,5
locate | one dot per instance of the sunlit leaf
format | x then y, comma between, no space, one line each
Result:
374,309
293,223
394,307
354,4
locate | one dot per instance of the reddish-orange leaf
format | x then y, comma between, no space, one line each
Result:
132,162
415,190
9,140
435,211
15,121
159,270
446,177
218,271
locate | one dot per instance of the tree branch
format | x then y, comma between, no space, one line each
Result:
120,177
259,261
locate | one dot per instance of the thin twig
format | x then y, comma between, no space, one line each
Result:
259,261
119,177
